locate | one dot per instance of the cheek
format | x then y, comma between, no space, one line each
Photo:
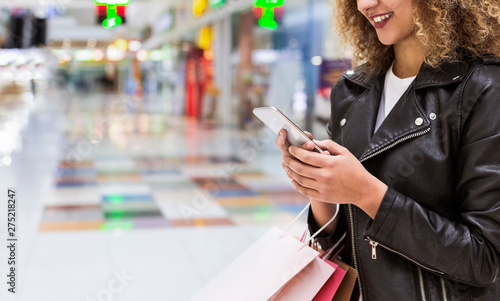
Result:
362,6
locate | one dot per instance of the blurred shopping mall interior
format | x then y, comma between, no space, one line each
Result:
128,139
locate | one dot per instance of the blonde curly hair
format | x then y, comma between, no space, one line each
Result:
446,28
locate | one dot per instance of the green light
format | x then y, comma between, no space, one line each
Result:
112,2
112,22
115,199
216,3
123,225
267,19
269,3
117,214
262,214
113,19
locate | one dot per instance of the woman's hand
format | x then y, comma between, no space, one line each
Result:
338,178
322,211
284,146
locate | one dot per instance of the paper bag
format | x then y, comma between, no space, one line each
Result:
346,287
262,270
307,283
331,287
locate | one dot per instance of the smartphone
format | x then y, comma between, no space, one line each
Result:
276,121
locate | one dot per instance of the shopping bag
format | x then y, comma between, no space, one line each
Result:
264,269
346,287
341,284
330,288
307,283
293,290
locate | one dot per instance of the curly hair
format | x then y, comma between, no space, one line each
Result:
446,28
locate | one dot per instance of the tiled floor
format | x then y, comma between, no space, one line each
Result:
155,202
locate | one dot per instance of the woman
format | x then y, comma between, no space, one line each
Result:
413,155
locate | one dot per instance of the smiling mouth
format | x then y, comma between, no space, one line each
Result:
379,19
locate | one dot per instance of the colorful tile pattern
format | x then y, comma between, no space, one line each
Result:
126,171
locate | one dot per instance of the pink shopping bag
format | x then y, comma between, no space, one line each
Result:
327,292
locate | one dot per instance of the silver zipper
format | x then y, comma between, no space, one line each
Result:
374,249
443,287
402,255
396,143
422,288
354,252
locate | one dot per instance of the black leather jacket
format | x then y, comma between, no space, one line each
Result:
436,235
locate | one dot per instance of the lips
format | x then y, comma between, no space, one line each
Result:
380,21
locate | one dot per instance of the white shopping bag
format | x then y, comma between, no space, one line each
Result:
307,283
262,271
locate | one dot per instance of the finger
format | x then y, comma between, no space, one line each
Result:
282,142
305,182
310,158
309,146
332,147
309,135
301,168
287,170
311,193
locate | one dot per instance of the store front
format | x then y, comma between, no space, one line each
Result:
231,61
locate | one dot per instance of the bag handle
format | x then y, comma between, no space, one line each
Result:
322,228
329,252
317,232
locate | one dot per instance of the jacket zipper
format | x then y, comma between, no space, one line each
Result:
421,281
354,253
396,143
374,245
443,287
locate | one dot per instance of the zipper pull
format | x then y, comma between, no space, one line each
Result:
374,245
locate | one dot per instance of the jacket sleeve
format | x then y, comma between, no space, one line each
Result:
467,250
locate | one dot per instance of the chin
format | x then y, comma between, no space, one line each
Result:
387,41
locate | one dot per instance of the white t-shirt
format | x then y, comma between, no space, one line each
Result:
394,88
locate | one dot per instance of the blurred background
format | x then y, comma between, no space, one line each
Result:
126,130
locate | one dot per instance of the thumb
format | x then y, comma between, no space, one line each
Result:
332,147
309,135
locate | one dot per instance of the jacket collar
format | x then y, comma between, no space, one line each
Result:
448,73
407,119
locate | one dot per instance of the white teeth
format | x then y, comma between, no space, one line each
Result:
381,18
